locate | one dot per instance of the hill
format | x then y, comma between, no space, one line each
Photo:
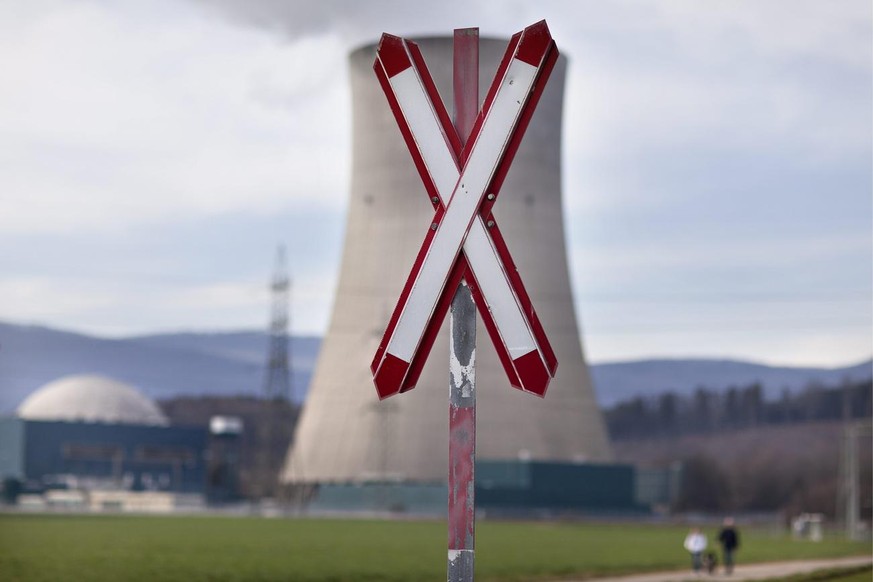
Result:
167,365
161,366
619,381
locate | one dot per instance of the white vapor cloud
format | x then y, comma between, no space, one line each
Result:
113,117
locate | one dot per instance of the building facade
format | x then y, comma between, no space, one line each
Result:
59,454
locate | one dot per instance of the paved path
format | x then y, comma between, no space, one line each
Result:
748,571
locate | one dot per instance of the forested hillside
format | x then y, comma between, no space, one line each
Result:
709,410
740,452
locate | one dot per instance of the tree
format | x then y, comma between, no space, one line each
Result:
703,410
704,486
752,404
731,410
667,413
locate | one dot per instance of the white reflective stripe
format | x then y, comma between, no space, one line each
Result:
483,258
426,130
463,205
495,287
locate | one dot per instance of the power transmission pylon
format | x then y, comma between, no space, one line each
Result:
277,381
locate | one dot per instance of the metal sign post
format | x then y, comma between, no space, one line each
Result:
462,346
464,262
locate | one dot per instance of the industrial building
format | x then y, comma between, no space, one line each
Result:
94,441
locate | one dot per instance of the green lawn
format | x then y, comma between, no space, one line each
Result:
864,575
856,574
37,548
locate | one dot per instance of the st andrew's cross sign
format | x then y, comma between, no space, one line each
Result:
463,241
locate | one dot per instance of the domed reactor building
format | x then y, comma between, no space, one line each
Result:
346,436
91,441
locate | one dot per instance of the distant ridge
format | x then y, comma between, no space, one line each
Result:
161,366
232,363
619,381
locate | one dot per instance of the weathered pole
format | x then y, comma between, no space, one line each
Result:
462,345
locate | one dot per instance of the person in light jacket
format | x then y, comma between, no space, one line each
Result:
695,543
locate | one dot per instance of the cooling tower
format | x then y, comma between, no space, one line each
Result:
345,433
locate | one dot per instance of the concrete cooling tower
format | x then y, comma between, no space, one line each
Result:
345,433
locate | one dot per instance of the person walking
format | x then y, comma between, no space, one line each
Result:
695,543
730,541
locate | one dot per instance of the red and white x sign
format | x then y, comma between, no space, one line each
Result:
463,183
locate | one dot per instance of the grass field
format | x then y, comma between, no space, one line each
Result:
36,548
856,574
861,575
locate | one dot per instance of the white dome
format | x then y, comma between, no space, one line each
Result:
91,398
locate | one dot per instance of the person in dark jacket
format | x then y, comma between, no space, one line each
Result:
730,541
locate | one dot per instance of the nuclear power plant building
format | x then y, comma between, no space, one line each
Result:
88,442
345,434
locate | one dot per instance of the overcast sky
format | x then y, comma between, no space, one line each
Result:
717,165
